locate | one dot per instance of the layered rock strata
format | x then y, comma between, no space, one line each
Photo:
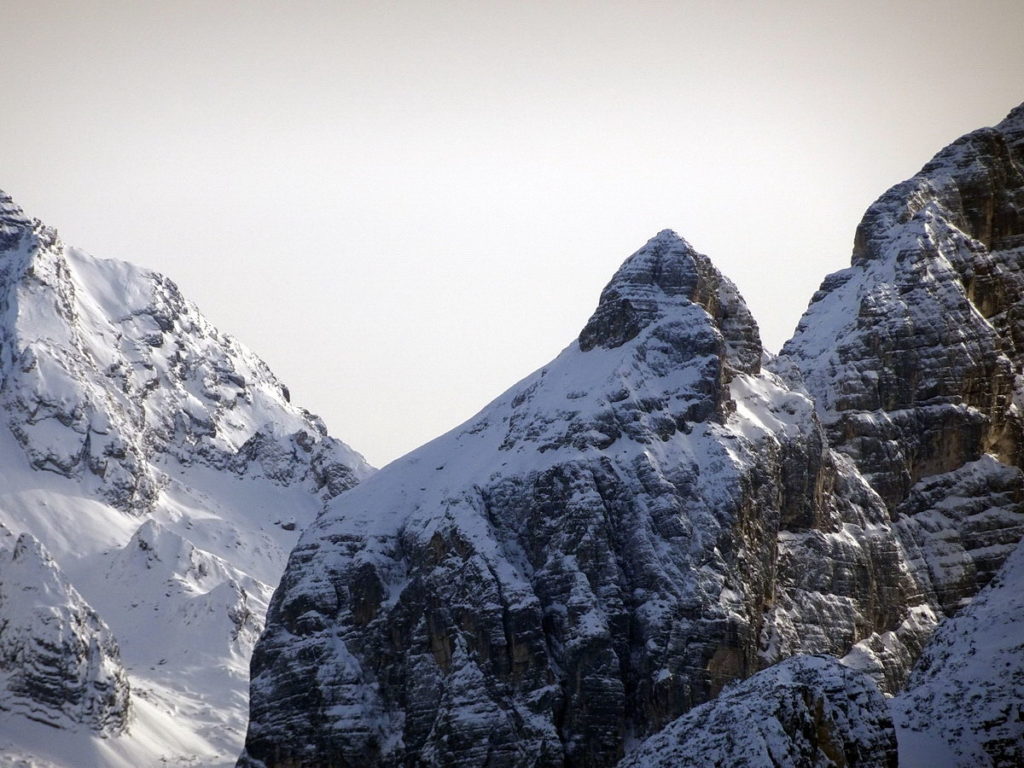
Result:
913,356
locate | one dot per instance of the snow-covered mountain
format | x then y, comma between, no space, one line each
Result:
603,547
665,509
153,475
628,556
964,702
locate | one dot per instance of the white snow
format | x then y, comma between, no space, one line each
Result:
105,360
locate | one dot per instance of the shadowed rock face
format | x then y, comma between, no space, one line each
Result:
806,712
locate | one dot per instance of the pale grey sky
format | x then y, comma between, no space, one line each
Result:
405,207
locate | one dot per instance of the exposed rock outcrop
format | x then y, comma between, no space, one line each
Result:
911,353
913,357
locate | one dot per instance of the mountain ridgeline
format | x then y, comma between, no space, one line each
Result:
666,509
152,474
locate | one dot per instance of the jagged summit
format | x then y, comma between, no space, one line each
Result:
13,221
106,370
10,210
976,184
654,282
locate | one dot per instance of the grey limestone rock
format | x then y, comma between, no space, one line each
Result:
913,358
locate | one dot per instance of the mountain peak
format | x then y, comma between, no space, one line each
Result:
1012,126
668,235
13,221
9,208
665,274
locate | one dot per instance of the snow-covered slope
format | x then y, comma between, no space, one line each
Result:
964,704
161,466
805,712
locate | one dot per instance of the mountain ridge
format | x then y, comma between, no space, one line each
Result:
665,508
164,469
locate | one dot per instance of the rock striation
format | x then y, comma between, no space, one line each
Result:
805,712
913,356
911,353
59,663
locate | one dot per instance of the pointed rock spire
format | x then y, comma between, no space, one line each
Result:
667,273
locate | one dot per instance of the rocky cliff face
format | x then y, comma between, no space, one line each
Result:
59,663
911,353
165,470
805,712
592,555
913,357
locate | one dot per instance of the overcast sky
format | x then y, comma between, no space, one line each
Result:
405,207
